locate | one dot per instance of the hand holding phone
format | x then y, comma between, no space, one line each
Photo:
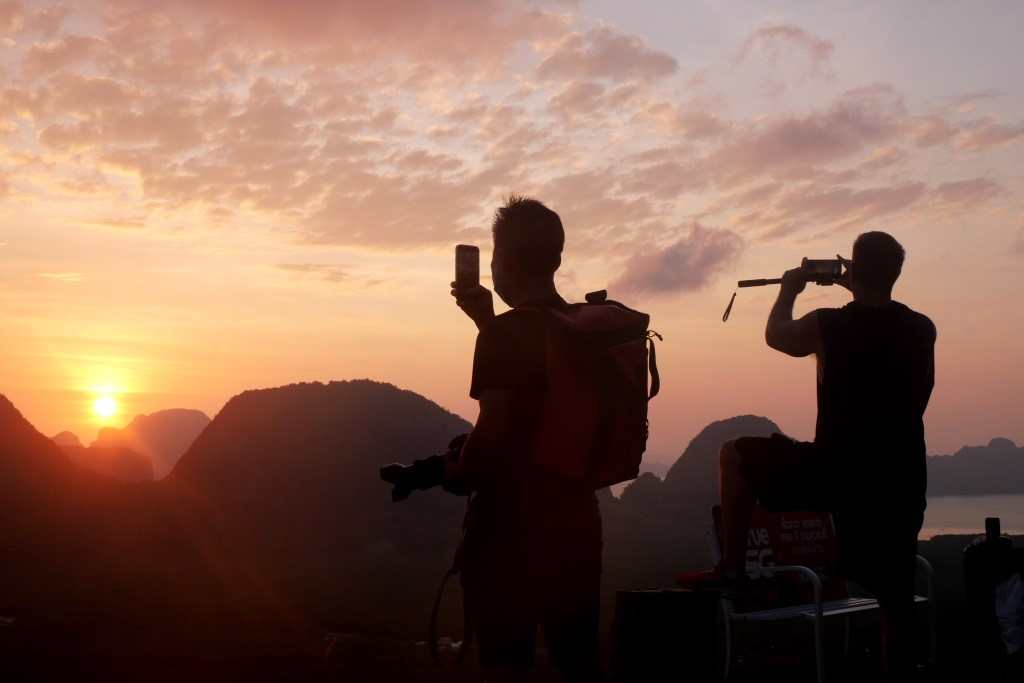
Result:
475,301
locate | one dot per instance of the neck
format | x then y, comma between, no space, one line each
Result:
869,298
535,291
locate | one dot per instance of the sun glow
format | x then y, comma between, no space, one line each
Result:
105,407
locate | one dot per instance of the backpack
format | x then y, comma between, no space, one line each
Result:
592,425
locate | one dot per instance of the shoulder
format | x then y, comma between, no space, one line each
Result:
824,316
515,322
919,321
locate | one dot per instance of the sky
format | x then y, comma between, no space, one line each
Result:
207,196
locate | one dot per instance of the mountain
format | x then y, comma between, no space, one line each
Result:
290,475
163,437
975,470
67,440
273,524
658,527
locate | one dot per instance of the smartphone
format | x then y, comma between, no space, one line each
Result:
467,266
823,269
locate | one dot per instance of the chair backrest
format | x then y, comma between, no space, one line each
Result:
803,538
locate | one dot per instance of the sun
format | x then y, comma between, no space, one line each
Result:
105,407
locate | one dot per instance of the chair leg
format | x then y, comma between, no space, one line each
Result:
933,645
819,650
727,666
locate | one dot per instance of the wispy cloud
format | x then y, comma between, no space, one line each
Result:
772,41
686,264
65,277
325,272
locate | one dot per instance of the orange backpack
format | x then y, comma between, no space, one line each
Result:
593,421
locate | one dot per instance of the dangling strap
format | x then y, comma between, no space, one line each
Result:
653,364
467,631
434,614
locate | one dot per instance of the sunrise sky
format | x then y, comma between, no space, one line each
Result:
205,196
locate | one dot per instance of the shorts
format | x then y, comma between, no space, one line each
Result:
516,584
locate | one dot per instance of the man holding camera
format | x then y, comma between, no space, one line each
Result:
866,465
532,552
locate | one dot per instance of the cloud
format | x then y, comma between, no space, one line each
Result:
772,41
579,98
475,34
48,21
325,272
883,158
12,16
66,278
840,207
971,192
928,131
113,222
45,58
1017,246
687,264
986,133
860,117
606,53
966,101
399,124
693,122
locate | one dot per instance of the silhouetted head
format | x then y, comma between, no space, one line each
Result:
877,262
528,241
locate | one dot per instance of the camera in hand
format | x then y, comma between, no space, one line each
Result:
823,271
819,271
421,474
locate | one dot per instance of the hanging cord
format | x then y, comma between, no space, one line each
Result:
467,630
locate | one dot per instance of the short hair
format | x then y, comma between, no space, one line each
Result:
530,235
877,260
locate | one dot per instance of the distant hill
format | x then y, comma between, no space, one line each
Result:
975,470
112,461
67,439
657,528
163,437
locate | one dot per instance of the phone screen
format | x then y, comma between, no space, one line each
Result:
823,267
467,265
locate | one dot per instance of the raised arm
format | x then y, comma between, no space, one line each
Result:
800,337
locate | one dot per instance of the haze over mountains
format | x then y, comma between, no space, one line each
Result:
160,438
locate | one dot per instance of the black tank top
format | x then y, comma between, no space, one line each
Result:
875,376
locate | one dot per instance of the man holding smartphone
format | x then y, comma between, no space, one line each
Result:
532,552
866,465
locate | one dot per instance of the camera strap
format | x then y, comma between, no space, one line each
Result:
467,630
